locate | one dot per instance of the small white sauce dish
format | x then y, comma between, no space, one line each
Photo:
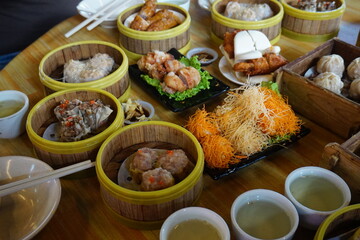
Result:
148,107
194,213
205,55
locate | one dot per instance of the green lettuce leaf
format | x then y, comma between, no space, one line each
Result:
179,96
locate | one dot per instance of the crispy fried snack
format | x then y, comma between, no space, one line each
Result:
139,23
148,10
228,43
264,65
162,24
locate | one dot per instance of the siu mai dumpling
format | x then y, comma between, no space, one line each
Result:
331,63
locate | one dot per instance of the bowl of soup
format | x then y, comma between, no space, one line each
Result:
194,223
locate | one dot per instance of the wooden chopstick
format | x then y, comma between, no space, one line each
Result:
43,177
104,17
88,20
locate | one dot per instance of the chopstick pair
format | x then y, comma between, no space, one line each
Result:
43,177
114,6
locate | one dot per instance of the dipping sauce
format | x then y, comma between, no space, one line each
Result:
194,229
317,193
9,107
204,57
263,219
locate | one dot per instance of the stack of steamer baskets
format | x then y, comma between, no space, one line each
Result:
52,65
220,24
311,26
137,43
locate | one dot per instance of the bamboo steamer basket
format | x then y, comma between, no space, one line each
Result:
220,24
60,154
117,83
340,221
311,26
148,210
137,43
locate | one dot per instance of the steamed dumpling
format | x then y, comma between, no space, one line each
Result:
353,69
331,63
355,89
330,81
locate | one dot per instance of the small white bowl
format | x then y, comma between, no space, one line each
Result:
148,107
206,51
263,211
13,125
198,213
26,212
310,216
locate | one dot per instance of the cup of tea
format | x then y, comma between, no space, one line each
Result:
194,223
14,106
316,193
263,214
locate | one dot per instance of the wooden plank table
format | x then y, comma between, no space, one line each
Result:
82,214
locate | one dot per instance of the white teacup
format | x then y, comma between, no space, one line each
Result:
182,220
14,106
316,193
263,214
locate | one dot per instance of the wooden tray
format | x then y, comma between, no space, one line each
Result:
344,160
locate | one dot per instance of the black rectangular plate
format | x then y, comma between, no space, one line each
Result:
217,173
216,88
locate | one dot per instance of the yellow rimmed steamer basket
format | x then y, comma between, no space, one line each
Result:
220,24
311,26
60,154
137,43
117,82
140,209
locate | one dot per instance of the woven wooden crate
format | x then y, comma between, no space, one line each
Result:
137,43
51,67
335,112
344,160
311,26
220,24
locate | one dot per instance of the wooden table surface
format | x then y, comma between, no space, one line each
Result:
82,214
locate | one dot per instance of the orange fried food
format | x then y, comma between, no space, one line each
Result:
148,10
139,23
228,43
275,61
264,65
164,13
162,24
